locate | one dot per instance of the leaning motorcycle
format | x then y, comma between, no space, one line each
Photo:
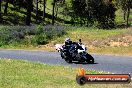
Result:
75,52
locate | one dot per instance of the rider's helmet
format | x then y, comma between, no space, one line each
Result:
68,41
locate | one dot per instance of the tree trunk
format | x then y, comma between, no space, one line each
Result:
36,10
6,7
19,5
128,13
0,11
124,15
56,11
53,12
29,10
44,10
28,18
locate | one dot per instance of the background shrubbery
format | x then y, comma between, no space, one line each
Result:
26,35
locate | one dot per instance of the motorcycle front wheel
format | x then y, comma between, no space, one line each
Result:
90,59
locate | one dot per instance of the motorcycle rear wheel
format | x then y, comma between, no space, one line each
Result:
68,60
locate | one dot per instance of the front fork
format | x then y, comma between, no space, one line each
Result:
83,54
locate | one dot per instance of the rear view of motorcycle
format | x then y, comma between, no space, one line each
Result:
74,51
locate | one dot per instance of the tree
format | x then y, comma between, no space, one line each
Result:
125,5
44,4
0,11
53,12
56,9
36,10
79,7
106,14
128,6
19,3
94,11
29,10
6,7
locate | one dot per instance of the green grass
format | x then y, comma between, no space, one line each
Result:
24,74
113,50
119,17
89,34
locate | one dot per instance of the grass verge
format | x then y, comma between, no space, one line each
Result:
24,74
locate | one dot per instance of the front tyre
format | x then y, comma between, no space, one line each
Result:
90,59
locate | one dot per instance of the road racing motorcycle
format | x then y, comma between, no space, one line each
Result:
74,52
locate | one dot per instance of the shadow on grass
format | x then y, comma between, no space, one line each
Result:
15,18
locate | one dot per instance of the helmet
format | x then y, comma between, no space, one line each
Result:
68,41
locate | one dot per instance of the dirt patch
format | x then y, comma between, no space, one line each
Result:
47,47
115,41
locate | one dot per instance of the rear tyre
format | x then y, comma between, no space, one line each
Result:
81,61
68,60
90,59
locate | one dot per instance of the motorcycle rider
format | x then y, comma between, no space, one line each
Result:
75,51
71,47
81,45
68,44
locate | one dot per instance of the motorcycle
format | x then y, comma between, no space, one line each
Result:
74,52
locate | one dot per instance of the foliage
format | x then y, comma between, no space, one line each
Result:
28,35
95,10
100,13
12,34
43,35
41,39
125,5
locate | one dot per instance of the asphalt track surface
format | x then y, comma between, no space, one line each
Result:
107,63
